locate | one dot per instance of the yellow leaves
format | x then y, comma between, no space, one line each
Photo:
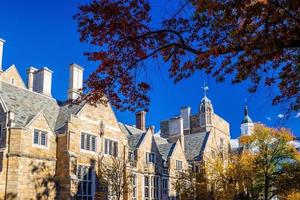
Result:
295,195
244,139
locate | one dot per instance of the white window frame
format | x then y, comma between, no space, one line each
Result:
179,165
149,158
147,187
134,186
92,180
113,150
165,187
84,149
40,131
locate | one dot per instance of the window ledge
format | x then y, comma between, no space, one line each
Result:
88,152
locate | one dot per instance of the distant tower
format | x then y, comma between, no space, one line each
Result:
206,110
247,125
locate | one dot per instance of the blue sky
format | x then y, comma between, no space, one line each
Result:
43,33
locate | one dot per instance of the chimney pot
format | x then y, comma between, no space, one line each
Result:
75,82
1,52
42,80
141,120
30,77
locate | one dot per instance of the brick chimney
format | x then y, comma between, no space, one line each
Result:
1,52
141,120
30,76
42,80
75,81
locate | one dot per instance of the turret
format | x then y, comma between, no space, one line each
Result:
205,110
247,125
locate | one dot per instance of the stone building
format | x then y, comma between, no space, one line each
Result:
50,148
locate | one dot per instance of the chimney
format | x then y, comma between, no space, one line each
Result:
30,74
75,82
185,113
42,80
141,120
1,52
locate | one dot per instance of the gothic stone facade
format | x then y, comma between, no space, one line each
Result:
51,149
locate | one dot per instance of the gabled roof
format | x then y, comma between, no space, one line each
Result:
166,150
135,140
129,130
194,145
65,111
135,136
27,104
164,147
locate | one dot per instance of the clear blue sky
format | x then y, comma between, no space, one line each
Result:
43,33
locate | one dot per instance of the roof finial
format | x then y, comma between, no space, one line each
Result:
246,108
205,88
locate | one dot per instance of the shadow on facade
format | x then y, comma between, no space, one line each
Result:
46,185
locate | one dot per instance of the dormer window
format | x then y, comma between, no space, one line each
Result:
40,138
150,157
132,155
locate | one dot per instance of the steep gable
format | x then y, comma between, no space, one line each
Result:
26,104
99,113
195,144
12,76
39,121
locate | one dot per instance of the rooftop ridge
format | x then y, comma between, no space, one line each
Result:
26,89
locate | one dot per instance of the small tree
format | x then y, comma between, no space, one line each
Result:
190,185
114,173
273,158
267,166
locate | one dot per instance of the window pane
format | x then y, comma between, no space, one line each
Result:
106,147
93,143
36,137
88,142
146,192
115,149
44,138
82,140
146,181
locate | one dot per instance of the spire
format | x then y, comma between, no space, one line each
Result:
246,110
246,118
205,88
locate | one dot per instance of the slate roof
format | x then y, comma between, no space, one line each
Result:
194,145
65,112
129,130
166,149
134,135
26,104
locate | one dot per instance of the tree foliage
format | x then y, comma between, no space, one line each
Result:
114,173
268,166
255,40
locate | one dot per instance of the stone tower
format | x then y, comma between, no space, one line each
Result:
206,112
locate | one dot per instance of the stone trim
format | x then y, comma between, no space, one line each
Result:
26,155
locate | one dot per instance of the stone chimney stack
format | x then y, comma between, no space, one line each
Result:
1,52
42,80
75,82
176,130
30,77
141,120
